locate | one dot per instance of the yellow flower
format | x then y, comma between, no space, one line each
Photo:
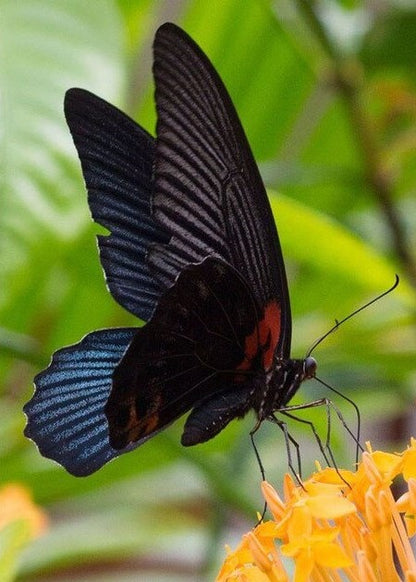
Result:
407,504
409,460
339,525
16,505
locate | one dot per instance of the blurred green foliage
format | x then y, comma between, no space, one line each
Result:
326,92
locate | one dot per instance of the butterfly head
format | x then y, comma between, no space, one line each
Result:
309,367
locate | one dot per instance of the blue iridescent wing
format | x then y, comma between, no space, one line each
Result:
117,158
66,414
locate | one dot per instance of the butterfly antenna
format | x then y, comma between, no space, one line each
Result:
338,323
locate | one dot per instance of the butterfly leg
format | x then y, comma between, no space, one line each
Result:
260,464
289,440
256,451
329,405
355,437
325,449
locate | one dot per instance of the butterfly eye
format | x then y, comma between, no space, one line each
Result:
309,367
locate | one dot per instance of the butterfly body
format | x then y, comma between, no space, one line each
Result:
192,250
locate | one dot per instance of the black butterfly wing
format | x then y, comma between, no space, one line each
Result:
197,194
117,158
66,414
203,340
208,193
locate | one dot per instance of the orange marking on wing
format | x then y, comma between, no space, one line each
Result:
151,423
138,427
270,332
265,335
250,350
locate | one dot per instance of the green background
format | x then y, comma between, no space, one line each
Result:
326,92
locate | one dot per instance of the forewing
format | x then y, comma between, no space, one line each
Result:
208,192
117,158
202,340
66,413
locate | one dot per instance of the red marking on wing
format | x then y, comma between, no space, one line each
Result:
269,328
265,337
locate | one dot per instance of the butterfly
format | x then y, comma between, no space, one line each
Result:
192,250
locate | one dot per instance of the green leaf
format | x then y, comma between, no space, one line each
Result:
391,41
327,247
47,47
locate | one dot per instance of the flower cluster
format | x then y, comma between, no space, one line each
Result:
339,525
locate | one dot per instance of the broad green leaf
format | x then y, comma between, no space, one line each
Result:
327,247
